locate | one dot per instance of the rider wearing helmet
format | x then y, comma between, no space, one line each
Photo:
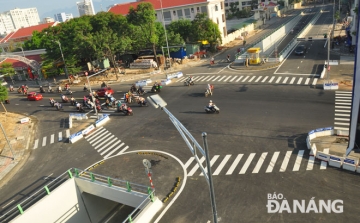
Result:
211,104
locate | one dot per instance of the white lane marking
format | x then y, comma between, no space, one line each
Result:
298,160
278,80
285,161
347,107
257,80
260,162
105,137
292,80
36,144
108,146
216,78
272,162
206,77
123,150
345,115
252,79
103,141
227,78
200,78
189,162
212,161
222,164
8,204
340,100
307,81
194,169
285,80
300,80
342,103
94,133
195,78
234,164
243,80
113,151
311,162
343,92
211,78
340,123
265,79
271,79
52,139
239,79
314,81
94,137
247,163
67,133
44,141
233,79
342,119
221,78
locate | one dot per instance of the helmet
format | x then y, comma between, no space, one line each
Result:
210,101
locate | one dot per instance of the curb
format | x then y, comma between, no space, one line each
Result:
260,69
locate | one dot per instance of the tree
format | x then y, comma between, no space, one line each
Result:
233,8
182,27
144,17
6,68
173,39
3,95
205,29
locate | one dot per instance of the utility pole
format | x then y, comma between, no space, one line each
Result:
167,42
92,95
8,142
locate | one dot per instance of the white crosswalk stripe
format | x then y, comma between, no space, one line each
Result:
257,80
342,110
307,81
105,143
230,164
285,80
232,79
50,139
243,80
237,80
300,80
278,80
222,78
292,80
264,79
252,78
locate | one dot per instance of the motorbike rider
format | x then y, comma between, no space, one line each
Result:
103,85
141,100
50,89
11,88
85,88
228,58
58,105
212,61
67,87
52,101
133,88
118,104
210,88
64,98
140,90
211,105
72,100
59,89
78,106
42,89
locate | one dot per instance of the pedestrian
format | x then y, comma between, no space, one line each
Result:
244,42
54,80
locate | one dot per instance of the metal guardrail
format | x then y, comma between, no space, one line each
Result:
41,193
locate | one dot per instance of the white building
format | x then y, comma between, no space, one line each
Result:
63,17
18,18
48,20
184,9
85,7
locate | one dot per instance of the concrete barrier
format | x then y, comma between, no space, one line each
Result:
331,86
165,82
88,130
350,164
174,75
141,83
335,161
358,169
102,120
323,156
24,120
313,150
75,137
323,72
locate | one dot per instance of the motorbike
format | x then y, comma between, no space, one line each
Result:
208,93
58,106
142,103
214,109
80,109
127,111
50,90
42,90
68,92
188,83
52,103
73,102
140,91
59,90
65,99
19,90
156,88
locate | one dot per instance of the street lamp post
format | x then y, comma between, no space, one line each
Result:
62,55
92,96
167,42
157,101
7,140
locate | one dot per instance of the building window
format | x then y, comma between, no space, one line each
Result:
204,9
223,18
222,5
192,10
226,4
187,13
180,14
217,21
216,8
224,31
174,12
167,16
197,9
236,3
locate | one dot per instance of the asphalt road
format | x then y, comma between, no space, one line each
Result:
257,144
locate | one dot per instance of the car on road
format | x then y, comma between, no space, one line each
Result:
300,50
33,96
101,92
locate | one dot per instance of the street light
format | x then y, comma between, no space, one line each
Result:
7,140
92,95
167,42
62,55
157,101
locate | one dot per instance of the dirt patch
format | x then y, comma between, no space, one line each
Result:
341,140
11,124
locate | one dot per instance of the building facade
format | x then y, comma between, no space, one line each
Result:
63,17
185,9
48,20
18,18
85,7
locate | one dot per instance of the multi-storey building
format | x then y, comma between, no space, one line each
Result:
48,20
243,4
85,7
184,9
18,18
63,17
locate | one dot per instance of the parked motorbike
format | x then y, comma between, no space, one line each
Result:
214,109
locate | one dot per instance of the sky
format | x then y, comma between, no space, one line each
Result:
47,8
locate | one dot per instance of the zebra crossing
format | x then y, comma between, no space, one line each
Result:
342,110
254,79
106,143
46,140
231,164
